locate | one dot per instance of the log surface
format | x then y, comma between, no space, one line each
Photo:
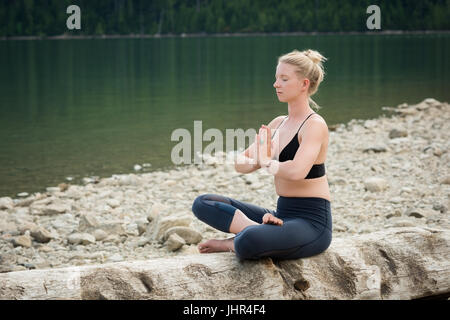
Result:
399,263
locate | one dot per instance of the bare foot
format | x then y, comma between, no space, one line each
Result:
215,245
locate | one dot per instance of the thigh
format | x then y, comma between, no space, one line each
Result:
269,240
252,211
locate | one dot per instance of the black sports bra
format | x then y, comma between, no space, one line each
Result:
288,153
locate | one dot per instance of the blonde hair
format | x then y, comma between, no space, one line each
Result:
308,64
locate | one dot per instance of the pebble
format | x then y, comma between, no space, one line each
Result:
100,235
6,203
81,238
41,235
375,184
22,194
189,235
23,241
174,242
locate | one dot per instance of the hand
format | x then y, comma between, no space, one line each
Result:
268,218
264,146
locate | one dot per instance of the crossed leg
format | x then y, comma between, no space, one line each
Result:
239,222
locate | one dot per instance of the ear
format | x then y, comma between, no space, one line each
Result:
305,83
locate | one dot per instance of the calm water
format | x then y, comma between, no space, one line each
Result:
98,107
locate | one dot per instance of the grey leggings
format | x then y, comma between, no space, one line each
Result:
306,229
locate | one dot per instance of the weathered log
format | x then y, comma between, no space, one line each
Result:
399,263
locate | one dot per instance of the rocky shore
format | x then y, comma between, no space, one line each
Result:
387,172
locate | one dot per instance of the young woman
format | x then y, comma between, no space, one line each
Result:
301,225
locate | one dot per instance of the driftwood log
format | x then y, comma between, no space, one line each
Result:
399,263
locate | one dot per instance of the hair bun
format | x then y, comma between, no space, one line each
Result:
315,56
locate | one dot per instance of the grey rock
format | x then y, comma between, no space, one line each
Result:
8,268
157,229
89,180
189,235
51,209
114,238
113,227
113,203
174,242
403,223
142,226
29,266
87,222
23,241
22,194
143,242
41,235
156,211
6,203
115,258
375,148
415,212
9,227
394,133
440,207
406,111
396,213
432,102
8,259
445,180
375,184
396,200
24,202
100,235
132,229
81,238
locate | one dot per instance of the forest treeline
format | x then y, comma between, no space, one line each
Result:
149,17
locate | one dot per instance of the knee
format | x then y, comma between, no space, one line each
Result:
198,206
246,243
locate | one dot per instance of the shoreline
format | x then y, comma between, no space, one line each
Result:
386,172
237,34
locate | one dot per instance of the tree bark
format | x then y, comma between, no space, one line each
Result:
399,263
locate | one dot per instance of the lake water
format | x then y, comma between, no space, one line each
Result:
99,106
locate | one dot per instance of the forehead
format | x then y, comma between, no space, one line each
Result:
285,69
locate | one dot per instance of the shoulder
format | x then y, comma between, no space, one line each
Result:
276,122
315,127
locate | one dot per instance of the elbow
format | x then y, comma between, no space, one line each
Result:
239,168
297,174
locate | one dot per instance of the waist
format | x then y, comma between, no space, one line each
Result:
305,188
303,206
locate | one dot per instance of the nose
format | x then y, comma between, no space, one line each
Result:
275,84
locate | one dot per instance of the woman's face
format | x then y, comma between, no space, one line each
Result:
287,84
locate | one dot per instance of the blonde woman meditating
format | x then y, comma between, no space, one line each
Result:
301,224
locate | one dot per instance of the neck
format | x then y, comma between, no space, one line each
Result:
299,109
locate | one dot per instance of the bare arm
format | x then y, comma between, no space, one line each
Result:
246,161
